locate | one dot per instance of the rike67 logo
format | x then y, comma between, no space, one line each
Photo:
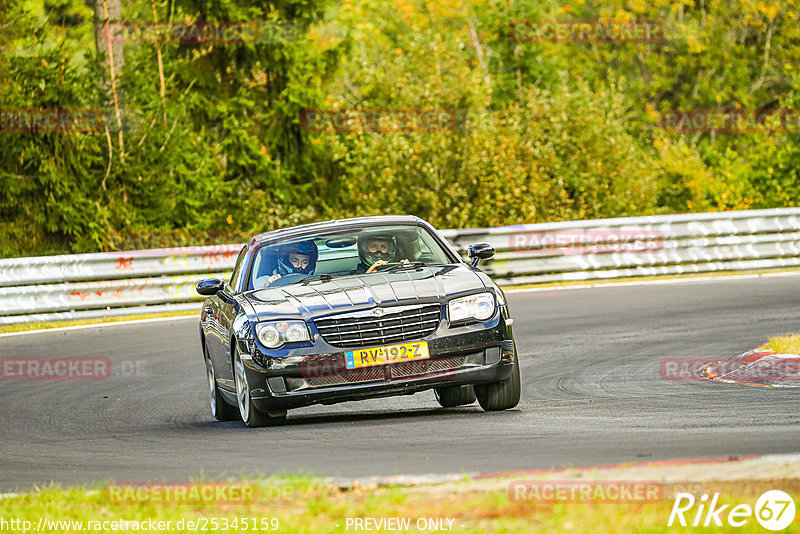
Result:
774,510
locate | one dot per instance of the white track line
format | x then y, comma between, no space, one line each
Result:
645,282
94,325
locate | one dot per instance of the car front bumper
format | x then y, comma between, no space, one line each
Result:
462,355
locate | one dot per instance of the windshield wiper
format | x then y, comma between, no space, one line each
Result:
325,277
410,265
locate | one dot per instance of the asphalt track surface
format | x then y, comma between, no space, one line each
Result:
592,394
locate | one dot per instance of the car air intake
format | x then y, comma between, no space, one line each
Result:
384,327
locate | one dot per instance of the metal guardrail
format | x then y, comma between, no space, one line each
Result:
151,281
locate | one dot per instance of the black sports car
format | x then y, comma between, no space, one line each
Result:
354,309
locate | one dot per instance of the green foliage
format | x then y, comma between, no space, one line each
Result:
220,151
535,131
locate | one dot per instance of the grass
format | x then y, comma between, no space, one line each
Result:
23,327
305,504
789,344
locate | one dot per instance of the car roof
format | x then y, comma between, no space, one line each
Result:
353,222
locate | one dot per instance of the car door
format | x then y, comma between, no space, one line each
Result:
225,308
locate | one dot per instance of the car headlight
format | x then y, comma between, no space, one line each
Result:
479,307
273,335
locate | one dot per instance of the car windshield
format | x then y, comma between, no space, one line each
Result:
345,253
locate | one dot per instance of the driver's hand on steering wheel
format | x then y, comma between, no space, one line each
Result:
381,263
375,266
273,278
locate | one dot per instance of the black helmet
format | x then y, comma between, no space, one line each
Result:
307,248
369,258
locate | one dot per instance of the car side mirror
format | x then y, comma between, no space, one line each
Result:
210,286
480,251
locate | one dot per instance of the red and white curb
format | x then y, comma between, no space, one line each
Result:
757,367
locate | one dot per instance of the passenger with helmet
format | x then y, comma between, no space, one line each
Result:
296,258
375,251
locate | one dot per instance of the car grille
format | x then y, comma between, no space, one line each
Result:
354,376
423,367
393,327
380,373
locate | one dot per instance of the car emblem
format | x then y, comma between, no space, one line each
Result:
377,312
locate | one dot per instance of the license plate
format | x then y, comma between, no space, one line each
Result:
402,352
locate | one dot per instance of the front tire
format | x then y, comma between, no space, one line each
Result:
453,396
252,416
220,409
501,395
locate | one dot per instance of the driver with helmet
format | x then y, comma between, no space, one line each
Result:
375,251
296,258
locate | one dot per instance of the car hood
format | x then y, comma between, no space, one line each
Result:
322,298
